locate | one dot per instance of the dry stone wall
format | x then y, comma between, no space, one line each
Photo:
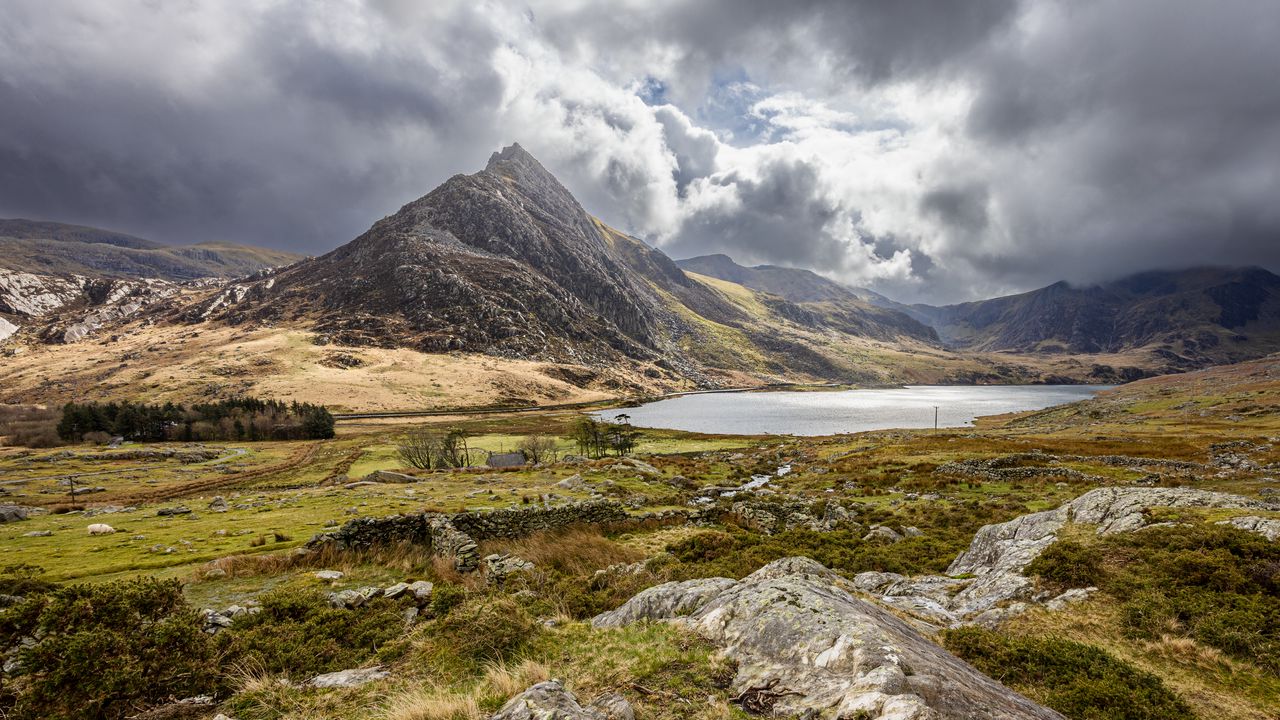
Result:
456,536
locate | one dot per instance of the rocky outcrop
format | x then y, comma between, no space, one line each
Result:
551,701
1268,528
667,600
999,553
803,643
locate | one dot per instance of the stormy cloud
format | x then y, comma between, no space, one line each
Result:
933,150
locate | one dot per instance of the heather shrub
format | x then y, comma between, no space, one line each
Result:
1077,680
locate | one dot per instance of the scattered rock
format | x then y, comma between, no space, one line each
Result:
328,575
349,678
499,568
347,599
218,504
12,513
212,621
171,511
880,533
38,533
573,482
395,591
421,590
386,476
551,701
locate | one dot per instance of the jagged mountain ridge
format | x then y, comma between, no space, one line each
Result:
1197,316
506,262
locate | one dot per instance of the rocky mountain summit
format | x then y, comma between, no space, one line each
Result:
506,262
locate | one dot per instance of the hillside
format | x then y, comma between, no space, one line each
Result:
854,310
58,249
1189,318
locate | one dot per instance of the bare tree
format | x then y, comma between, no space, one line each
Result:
420,449
431,449
539,448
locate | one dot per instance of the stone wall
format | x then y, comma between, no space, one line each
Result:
515,523
456,536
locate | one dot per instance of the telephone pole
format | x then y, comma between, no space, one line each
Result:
935,418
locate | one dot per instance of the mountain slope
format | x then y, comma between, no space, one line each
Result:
1194,317
58,249
855,311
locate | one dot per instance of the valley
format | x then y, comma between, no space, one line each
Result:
476,528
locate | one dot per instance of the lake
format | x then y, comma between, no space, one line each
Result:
845,411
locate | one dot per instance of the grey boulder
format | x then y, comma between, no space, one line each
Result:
803,643
550,700
349,678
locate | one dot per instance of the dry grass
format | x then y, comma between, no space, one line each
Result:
574,551
403,557
431,702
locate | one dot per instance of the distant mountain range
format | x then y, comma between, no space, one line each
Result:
52,248
1190,318
1204,314
506,263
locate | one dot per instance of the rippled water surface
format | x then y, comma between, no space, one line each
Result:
828,413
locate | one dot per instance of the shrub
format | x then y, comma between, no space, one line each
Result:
1218,585
298,634
1077,680
445,598
1068,564
485,629
106,649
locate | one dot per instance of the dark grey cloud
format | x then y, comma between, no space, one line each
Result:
801,42
781,217
291,141
963,207
934,150
1127,134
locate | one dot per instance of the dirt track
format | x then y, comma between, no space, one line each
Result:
301,456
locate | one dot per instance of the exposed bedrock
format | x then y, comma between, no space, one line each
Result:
806,646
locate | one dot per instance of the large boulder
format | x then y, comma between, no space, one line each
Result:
12,513
803,643
664,601
551,701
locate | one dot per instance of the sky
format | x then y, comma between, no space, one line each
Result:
933,150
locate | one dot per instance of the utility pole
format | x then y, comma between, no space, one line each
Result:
935,418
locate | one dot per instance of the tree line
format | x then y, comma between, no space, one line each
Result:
241,419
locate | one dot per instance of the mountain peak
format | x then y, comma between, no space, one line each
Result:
514,159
